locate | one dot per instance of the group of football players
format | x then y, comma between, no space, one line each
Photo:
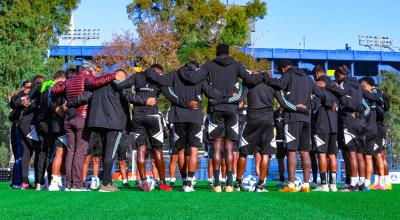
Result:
81,116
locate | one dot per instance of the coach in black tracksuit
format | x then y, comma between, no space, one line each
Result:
109,116
187,122
222,73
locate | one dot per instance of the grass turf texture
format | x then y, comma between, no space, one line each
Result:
130,203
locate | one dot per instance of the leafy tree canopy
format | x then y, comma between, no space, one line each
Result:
200,23
27,29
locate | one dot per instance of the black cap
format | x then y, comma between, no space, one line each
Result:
284,63
368,80
222,49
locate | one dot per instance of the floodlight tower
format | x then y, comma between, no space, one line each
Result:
373,42
84,34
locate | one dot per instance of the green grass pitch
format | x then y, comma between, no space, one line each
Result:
130,203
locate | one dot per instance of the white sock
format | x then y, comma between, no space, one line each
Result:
376,179
354,181
57,178
381,180
362,180
367,182
210,180
388,180
222,180
306,185
124,181
291,184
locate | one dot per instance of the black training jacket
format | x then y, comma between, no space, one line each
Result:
297,88
382,106
57,122
174,85
109,109
260,102
222,74
324,112
350,95
145,88
29,115
15,105
45,113
369,102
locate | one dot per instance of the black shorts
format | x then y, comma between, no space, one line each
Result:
380,141
223,125
95,148
188,134
60,139
124,146
371,147
148,128
132,140
258,137
381,138
298,136
325,143
281,149
353,141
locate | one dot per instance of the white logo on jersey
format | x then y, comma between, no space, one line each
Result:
273,142
348,136
318,141
211,126
236,127
243,142
200,135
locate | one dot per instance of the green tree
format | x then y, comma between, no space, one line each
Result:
200,23
27,30
391,87
236,29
